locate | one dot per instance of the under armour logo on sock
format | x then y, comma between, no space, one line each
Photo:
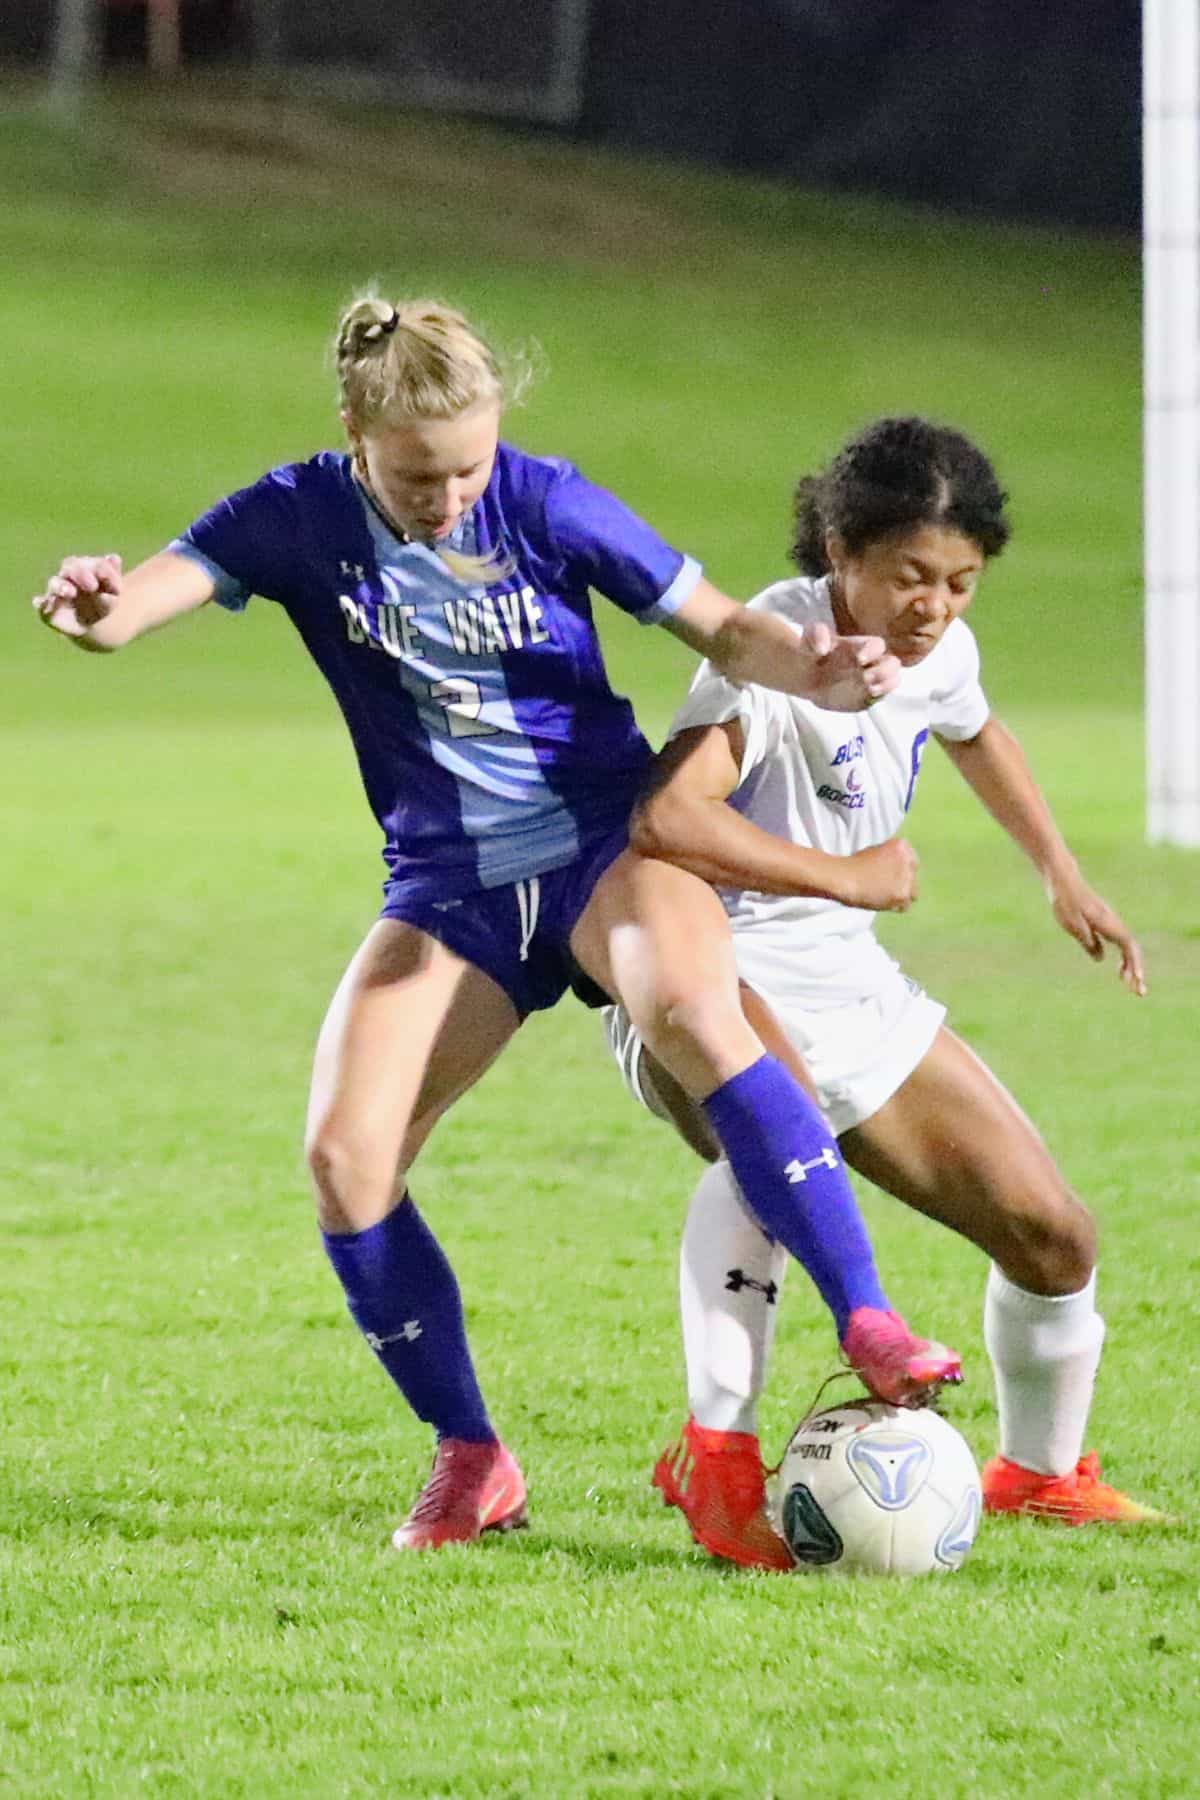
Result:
737,1279
410,1329
798,1171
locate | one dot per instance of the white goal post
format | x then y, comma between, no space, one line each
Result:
1171,245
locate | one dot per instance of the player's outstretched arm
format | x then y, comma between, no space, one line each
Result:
92,601
842,674
994,765
683,818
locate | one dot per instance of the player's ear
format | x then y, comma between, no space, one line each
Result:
349,427
835,549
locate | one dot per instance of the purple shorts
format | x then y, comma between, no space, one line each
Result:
518,934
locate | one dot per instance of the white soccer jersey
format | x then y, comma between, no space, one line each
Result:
839,782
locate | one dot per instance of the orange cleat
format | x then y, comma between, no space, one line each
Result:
1077,1498
716,1480
894,1364
472,1488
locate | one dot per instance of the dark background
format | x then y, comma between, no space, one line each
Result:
1012,107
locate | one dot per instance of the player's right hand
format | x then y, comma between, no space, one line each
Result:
883,878
849,673
83,592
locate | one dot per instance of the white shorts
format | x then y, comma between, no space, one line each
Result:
857,1055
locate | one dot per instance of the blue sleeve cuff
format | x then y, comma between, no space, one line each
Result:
680,590
227,590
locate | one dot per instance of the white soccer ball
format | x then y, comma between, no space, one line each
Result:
880,1488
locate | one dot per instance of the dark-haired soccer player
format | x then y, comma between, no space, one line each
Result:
792,812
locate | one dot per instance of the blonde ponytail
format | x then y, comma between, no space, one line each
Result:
420,359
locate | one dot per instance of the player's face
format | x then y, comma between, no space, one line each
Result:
905,588
426,473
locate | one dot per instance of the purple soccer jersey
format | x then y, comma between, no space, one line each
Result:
491,745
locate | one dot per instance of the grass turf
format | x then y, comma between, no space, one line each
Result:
200,1463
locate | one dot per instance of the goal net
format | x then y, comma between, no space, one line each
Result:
521,58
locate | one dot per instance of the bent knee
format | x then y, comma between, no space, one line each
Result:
702,1024
1052,1246
355,1175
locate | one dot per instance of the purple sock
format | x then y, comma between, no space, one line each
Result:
405,1300
791,1173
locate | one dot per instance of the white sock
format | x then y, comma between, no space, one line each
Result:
1045,1351
730,1274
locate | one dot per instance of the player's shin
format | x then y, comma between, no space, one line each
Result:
1045,1350
403,1296
730,1276
790,1169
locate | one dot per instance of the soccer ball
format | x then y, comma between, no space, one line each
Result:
875,1487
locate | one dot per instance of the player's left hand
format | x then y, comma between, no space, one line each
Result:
849,673
1092,922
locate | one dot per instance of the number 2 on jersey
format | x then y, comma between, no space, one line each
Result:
462,700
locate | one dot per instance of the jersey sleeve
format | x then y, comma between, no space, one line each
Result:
606,546
714,700
958,706
243,541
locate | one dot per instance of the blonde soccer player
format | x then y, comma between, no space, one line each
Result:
793,812
440,579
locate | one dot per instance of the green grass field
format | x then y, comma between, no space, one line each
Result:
201,1464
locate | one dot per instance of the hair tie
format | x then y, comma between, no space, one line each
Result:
381,328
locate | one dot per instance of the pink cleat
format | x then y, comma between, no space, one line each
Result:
472,1488
895,1365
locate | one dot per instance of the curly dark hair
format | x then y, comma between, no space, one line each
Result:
897,475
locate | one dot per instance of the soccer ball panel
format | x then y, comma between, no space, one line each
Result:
956,1540
893,1466
808,1533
